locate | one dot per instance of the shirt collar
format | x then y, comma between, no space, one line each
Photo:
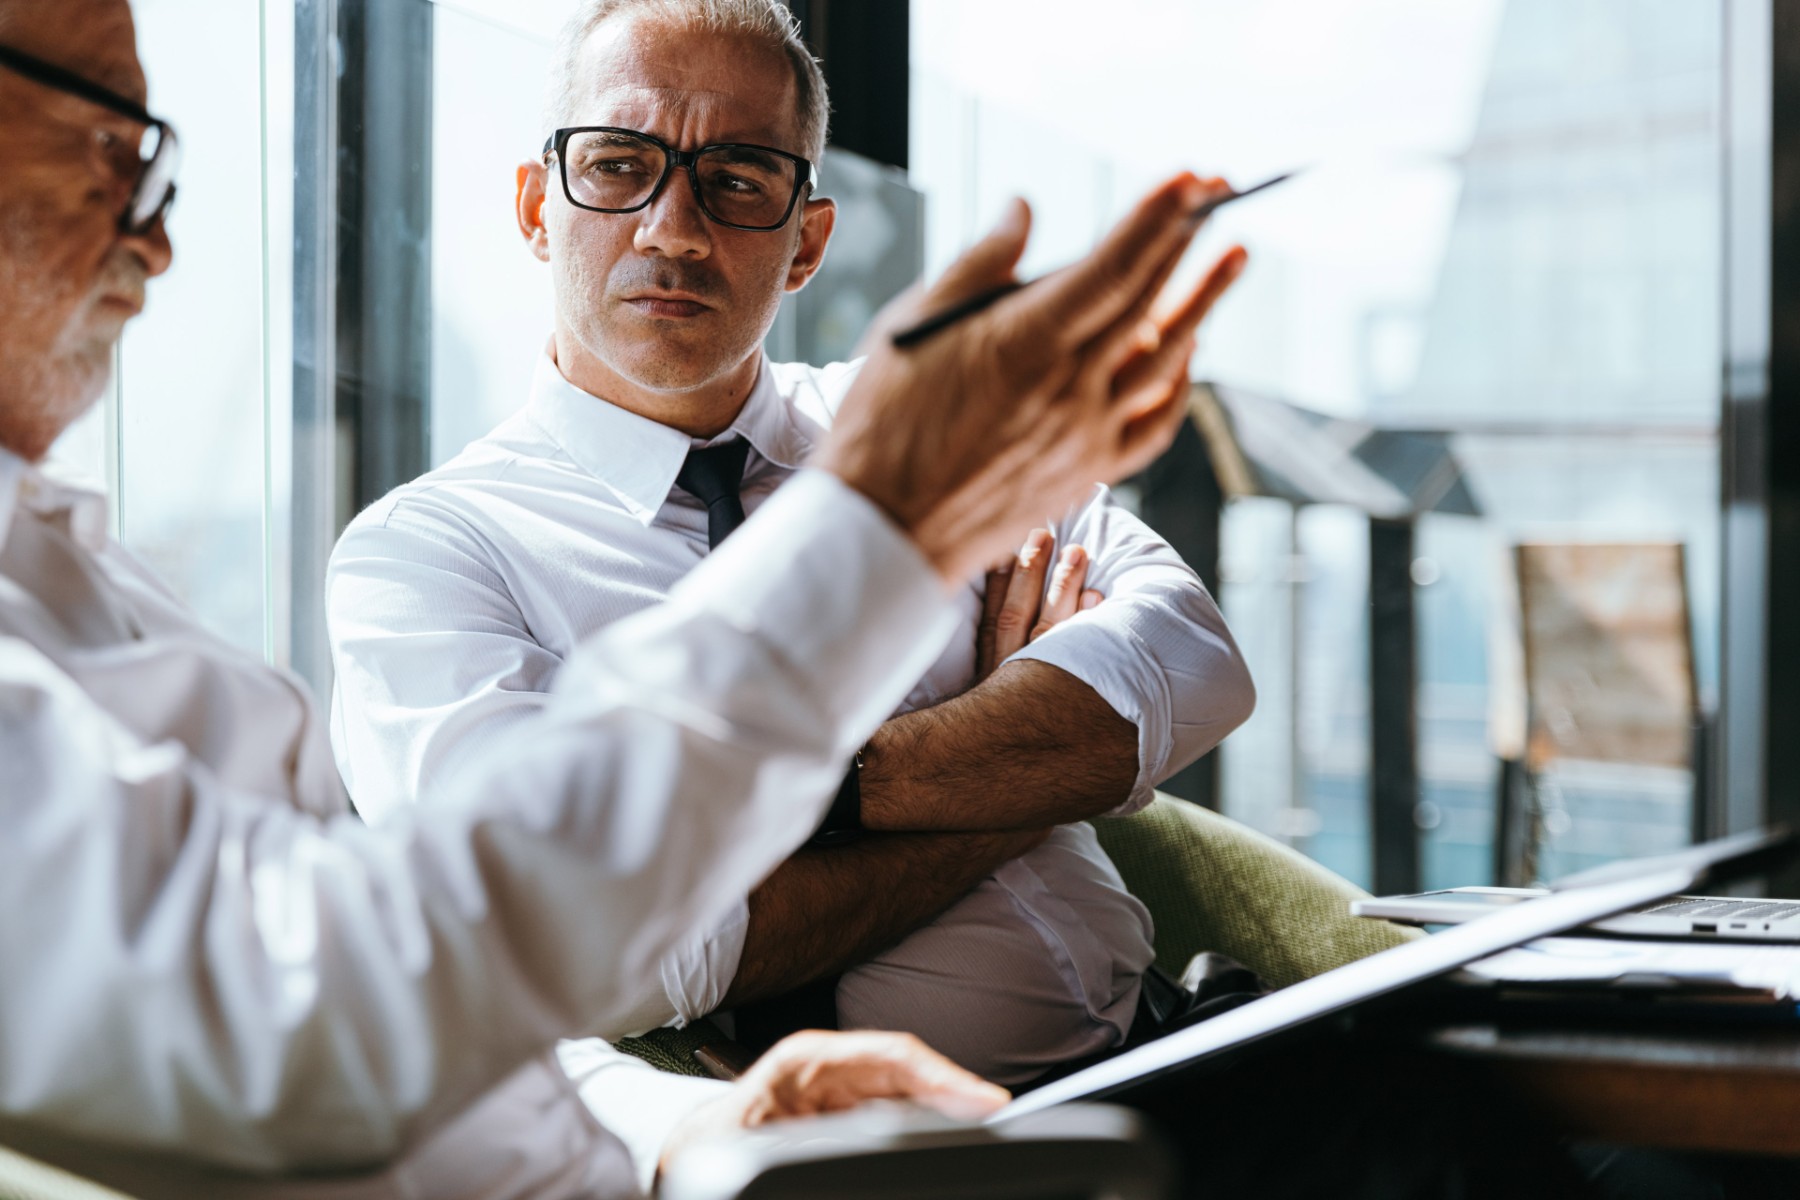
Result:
52,490
637,458
767,421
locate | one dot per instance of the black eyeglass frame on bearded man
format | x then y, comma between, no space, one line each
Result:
153,188
737,184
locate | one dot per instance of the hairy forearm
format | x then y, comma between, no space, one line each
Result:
825,910
1031,747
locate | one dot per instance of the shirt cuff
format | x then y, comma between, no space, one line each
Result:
697,973
633,1100
837,589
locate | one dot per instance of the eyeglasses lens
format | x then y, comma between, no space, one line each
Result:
161,155
739,185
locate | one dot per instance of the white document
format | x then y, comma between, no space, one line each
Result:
1771,969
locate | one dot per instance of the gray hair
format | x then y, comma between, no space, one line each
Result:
767,21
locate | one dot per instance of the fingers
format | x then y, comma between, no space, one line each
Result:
1063,599
1090,599
993,599
1145,381
827,1072
936,1082
1171,343
1218,280
1024,595
990,262
1091,295
1149,432
1135,323
1184,322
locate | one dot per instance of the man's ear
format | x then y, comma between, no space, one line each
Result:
529,203
817,218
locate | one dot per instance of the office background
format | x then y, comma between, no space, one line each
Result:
1552,236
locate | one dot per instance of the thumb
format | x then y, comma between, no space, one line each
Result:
952,1091
986,265
990,262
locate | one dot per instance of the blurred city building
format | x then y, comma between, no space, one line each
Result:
1510,236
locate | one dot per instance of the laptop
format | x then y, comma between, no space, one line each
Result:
1579,901
1700,918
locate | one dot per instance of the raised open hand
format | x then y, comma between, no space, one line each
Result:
971,435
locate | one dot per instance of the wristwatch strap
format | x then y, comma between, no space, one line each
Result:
843,822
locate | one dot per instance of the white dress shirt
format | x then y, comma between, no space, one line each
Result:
208,964
454,602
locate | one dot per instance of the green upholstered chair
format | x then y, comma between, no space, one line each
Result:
672,1050
1211,883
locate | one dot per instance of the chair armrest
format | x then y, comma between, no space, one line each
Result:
672,1050
1211,883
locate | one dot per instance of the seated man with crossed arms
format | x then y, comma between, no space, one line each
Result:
674,205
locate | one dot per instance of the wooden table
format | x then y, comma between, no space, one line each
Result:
1734,1090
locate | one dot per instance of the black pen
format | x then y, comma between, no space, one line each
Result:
912,335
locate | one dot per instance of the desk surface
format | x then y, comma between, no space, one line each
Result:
1734,1090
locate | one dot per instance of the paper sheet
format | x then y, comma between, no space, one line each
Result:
1772,969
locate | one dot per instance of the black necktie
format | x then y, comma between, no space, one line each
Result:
713,476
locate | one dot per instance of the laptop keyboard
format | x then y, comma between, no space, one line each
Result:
1722,908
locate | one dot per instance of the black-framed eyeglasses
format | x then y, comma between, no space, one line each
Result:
610,170
158,155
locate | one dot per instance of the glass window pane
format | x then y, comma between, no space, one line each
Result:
89,445
191,391
491,312
1508,232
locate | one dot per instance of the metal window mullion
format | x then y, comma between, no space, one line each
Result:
1738,793
384,247
1393,708
362,281
315,509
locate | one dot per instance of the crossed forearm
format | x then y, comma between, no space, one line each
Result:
994,769
1031,747
823,911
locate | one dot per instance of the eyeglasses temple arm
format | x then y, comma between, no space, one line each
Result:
68,81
